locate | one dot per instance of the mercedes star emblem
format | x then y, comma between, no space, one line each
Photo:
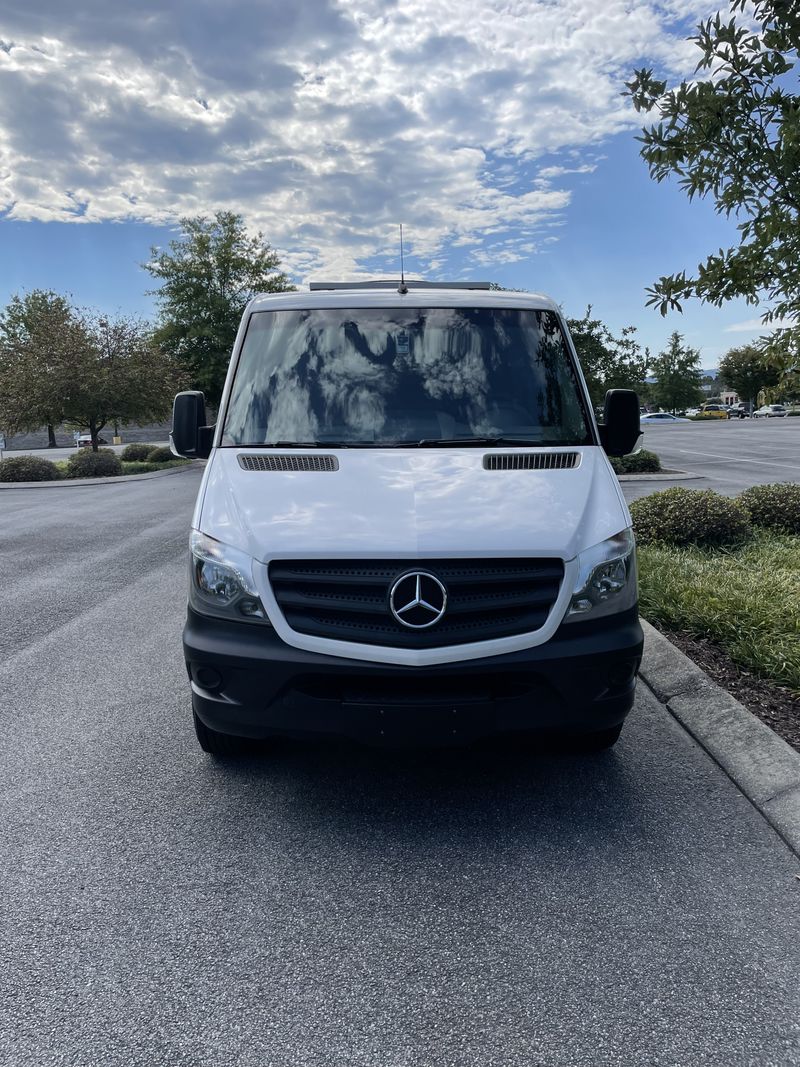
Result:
418,600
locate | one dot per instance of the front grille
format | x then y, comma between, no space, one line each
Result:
348,600
260,462
530,461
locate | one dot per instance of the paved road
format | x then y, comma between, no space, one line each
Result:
729,455
336,906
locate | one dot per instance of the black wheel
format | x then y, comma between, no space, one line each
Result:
217,744
600,740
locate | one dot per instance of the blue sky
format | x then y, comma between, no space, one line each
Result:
493,129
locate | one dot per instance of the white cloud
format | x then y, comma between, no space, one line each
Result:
325,123
757,326
547,173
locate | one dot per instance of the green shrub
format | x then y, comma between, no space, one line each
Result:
27,469
690,517
150,468
87,464
643,462
775,506
135,453
160,455
140,467
794,413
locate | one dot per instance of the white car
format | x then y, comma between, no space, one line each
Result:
408,526
770,411
662,416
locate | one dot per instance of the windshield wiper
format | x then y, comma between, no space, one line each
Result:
289,444
469,441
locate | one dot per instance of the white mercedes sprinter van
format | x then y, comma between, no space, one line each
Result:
408,527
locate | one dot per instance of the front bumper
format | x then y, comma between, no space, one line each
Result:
247,681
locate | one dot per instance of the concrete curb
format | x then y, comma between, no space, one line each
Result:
760,763
77,483
663,476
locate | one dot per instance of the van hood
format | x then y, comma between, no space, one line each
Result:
409,503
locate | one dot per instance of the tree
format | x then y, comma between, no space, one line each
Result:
733,134
122,376
61,365
744,370
40,337
677,373
209,273
608,362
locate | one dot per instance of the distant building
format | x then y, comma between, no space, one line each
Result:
712,386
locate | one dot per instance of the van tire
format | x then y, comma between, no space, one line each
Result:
215,743
600,740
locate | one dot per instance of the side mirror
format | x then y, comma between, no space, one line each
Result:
620,430
190,437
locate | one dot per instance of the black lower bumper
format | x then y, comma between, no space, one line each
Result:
247,681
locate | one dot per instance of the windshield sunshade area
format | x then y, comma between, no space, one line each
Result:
407,377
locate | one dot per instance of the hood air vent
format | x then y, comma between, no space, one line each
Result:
530,461
261,462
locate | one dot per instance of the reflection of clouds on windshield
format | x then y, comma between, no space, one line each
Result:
449,357
395,374
290,415
352,385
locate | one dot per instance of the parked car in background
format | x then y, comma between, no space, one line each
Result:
713,411
85,440
770,411
691,412
661,416
742,410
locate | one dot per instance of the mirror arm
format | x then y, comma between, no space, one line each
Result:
205,438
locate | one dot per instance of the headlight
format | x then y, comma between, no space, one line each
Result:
606,581
221,581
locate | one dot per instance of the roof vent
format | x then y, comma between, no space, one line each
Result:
412,283
530,461
260,462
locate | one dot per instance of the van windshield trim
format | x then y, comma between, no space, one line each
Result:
585,438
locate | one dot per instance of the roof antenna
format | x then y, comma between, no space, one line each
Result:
403,287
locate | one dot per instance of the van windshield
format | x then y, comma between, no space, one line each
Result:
406,377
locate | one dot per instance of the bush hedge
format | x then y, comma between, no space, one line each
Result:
160,455
28,469
87,464
680,516
151,468
135,453
642,462
774,507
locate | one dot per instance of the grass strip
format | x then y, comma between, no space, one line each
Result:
746,600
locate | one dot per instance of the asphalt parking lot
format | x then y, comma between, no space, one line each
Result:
728,455
333,905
